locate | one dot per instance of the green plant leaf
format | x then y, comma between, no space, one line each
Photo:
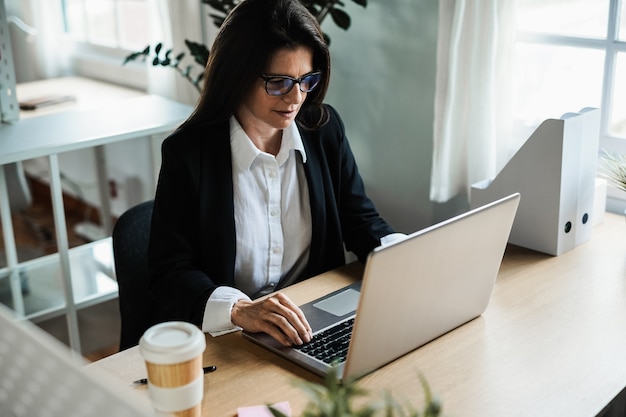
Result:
178,59
217,20
223,7
141,54
199,52
220,9
275,412
341,18
614,169
433,405
361,2
131,57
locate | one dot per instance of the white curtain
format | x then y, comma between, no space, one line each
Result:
171,22
473,95
38,54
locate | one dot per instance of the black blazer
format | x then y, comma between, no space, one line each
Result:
192,242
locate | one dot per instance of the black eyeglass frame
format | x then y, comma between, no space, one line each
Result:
294,81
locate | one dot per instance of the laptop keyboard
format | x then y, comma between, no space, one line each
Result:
331,345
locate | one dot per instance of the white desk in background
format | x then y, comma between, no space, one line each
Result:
102,114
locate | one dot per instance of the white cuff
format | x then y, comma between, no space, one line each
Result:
216,320
392,238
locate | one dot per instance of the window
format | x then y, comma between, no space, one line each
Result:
572,54
102,33
119,24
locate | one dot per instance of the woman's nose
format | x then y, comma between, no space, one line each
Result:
295,95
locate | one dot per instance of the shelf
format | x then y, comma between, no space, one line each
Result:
79,129
93,281
75,278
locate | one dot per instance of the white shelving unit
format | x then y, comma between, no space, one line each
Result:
84,276
93,281
9,109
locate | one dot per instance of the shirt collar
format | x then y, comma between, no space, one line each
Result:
245,152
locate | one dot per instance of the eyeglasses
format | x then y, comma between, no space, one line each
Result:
279,85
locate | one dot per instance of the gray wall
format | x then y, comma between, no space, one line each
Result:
383,85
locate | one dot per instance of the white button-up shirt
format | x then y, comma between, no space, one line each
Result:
272,222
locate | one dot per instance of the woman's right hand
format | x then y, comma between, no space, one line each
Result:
275,315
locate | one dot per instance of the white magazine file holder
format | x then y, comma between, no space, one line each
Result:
554,171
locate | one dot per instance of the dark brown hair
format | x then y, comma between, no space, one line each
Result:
252,32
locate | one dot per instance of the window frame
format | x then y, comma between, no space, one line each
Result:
103,62
612,46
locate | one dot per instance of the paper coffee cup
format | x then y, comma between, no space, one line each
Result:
173,355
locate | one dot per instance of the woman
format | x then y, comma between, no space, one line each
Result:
258,189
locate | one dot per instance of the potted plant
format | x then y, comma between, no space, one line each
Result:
200,52
614,169
335,399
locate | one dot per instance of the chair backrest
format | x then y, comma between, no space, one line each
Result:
130,237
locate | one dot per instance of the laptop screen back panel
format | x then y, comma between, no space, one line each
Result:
434,281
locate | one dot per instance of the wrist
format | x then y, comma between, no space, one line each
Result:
236,310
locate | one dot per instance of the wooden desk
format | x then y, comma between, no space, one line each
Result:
551,343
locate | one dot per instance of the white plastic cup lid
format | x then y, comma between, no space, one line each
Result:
171,343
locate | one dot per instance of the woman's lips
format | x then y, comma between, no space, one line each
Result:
287,114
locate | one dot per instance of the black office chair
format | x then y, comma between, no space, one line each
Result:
130,250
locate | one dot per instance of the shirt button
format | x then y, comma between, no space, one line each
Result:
272,174
276,250
274,213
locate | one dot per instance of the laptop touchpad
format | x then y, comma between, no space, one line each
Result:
340,304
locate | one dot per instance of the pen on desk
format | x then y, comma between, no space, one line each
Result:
206,370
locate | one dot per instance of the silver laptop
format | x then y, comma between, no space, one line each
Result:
412,292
